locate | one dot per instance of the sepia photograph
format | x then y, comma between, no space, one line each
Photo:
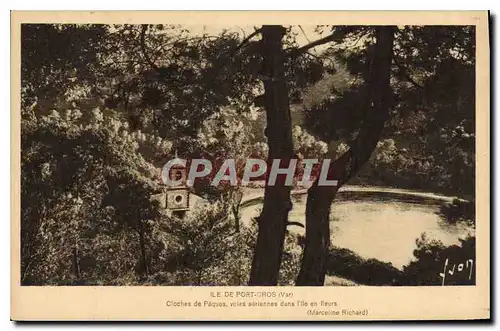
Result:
282,155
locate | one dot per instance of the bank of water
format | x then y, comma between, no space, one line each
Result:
383,228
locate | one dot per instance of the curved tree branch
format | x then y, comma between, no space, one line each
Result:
245,41
296,224
338,35
405,73
327,39
144,50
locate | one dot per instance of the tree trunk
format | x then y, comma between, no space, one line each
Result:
142,244
317,242
319,199
277,202
75,264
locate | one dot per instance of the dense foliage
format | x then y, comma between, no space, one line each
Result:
104,107
430,135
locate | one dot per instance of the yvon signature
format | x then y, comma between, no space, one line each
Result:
453,272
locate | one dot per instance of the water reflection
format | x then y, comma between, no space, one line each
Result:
383,229
387,231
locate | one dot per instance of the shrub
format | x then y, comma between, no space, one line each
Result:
347,264
431,258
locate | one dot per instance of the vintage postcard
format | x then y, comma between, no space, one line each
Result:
267,166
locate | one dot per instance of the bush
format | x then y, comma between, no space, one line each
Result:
347,264
207,249
458,211
432,258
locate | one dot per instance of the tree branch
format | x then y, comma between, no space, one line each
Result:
143,48
296,224
304,33
405,73
321,58
337,35
245,41
327,39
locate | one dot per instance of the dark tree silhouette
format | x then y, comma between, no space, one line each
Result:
320,198
277,203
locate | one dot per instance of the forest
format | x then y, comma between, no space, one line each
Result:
104,107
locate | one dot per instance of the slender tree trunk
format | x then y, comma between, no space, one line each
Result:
142,244
317,242
319,199
75,263
199,276
236,203
236,213
277,203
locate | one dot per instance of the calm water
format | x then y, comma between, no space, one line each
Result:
382,230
